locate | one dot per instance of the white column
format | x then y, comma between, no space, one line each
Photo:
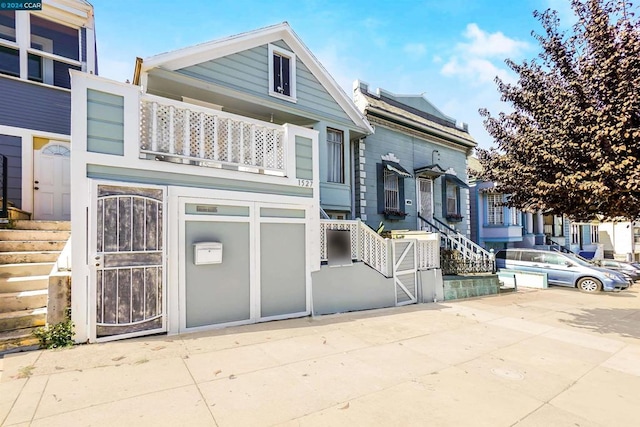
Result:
539,223
529,220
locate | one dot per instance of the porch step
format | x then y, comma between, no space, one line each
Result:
17,340
28,257
20,270
39,225
24,284
31,245
22,319
20,301
29,235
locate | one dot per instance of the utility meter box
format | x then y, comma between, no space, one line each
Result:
207,253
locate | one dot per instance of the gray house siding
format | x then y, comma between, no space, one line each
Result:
32,106
413,153
248,71
11,147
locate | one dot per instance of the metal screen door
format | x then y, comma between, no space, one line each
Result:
129,261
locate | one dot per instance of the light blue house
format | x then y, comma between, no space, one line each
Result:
199,187
412,171
496,226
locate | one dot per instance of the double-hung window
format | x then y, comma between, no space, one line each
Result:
335,156
9,51
495,210
391,191
451,206
282,73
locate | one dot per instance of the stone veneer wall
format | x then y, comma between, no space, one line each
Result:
457,287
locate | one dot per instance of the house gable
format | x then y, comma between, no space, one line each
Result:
241,63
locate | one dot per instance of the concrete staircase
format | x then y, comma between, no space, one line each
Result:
28,252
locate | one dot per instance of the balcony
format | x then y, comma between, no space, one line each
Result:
180,132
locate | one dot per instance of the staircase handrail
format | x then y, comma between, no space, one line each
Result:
453,239
4,213
446,226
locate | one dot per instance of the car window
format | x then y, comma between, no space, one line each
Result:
606,263
554,259
501,255
531,256
513,255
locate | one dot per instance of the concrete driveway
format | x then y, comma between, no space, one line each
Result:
553,357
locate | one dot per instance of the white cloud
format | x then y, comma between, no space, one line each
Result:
485,44
416,50
478,60
475,70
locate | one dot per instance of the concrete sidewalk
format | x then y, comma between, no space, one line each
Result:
552,357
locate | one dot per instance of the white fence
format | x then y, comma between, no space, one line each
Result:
367,246
205,137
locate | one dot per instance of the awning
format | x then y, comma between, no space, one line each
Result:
455,180
396,168
429,171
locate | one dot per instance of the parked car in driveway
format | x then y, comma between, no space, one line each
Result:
562,269
630,269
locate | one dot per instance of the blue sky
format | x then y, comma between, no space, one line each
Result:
448,50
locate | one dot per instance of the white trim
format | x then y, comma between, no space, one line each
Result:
193,55
27,136
273,49
91,267
225,198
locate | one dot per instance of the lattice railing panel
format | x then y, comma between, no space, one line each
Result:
179,130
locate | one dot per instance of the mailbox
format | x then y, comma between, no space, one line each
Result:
207,253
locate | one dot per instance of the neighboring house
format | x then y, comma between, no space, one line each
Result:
620,240
37,50
414,165
496,226
199,187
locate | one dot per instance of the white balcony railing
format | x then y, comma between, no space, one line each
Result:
186,133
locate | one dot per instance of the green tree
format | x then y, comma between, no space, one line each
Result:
571,144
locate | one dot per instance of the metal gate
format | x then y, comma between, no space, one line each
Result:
129,261
405,270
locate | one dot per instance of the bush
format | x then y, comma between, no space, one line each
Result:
56,336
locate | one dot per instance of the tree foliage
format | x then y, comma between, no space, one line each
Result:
571,144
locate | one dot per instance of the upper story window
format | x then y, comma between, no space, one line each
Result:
335,156
8,25
282,73
495,210
51,48
9,52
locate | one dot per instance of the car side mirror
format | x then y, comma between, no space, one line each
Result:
568,263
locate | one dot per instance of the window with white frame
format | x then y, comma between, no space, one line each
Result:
9,51
282,73
335,156
514,216
575,234
452,199
52,49
636,235
495,210
594,231
391,191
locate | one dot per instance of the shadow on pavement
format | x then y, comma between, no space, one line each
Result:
622,321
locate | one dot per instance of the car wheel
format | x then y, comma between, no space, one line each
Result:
589,284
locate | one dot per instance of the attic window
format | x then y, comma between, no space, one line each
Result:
282,73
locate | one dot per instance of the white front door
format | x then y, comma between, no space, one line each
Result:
52,182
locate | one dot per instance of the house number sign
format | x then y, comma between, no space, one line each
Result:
305,183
